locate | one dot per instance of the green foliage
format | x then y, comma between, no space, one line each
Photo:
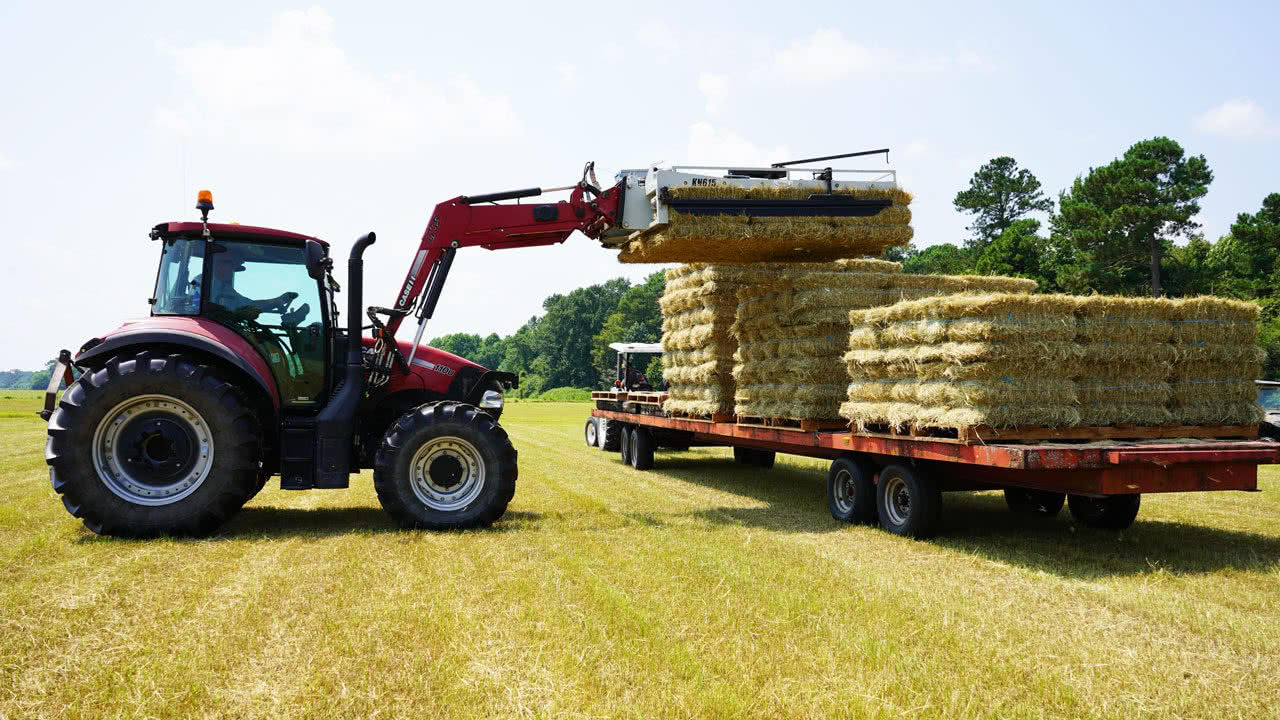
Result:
999,194
565,394
1122,217
944,259
568,345
637,319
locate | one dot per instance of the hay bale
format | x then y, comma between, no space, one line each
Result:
1110,360
1217,360
793,334
739,238
998,359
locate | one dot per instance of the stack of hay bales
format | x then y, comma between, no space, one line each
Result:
1126,360
1216,361
744,239
699,306
793,333
1010,361
956,361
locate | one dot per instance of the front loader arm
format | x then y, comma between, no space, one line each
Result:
478,220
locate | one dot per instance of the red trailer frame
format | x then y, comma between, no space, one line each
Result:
1105,471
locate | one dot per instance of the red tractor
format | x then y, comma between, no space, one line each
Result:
243,371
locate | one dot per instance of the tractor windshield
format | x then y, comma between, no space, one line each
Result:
178,281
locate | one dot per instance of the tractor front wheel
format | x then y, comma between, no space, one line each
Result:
153,445
445,466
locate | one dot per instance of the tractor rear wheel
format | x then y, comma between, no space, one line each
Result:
153,445
445,466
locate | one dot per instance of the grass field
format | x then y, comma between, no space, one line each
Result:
698,589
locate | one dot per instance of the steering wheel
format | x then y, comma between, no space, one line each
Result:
281,304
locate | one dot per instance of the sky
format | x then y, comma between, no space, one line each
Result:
343,117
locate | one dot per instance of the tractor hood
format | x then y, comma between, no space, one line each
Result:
432,368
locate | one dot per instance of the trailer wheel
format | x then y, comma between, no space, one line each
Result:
908,502
641,448
1034,502
1113,512
851,490
752,456
624,444
153,445
592,432
445,466
610,435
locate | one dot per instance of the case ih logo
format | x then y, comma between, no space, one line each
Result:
409,282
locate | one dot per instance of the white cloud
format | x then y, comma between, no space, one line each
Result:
827,55
297,89
1241,119
716,89
709,145
568,73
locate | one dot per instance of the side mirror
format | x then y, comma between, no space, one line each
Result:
317,259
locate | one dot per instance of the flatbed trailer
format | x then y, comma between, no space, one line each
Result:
898,480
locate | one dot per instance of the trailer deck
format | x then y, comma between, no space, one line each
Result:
1098,472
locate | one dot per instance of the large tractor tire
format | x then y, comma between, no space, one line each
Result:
153,445
445,466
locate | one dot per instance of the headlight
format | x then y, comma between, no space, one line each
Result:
491,400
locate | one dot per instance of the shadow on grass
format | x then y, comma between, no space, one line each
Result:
981,524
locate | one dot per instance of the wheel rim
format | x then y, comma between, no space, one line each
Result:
152,450
842,492
897,499
447,473
591,434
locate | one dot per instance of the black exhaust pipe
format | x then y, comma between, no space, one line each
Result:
335,425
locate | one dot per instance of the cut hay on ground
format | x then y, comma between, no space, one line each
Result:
739,238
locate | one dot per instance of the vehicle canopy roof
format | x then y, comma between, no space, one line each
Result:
637,347
232,230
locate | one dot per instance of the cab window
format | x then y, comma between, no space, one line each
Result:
263,292
178,280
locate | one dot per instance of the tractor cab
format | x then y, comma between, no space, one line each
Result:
631,357
271,288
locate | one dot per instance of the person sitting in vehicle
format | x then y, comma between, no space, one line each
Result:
222,292
636,379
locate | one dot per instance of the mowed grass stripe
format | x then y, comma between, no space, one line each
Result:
701,588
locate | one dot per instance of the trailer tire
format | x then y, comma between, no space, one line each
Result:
851,490
445,466
1112,512
908,502
1034,502
610,435
641,448
624,444
754,457
592,432
152,445
765,459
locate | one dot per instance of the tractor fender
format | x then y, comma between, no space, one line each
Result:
504,379
232,350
